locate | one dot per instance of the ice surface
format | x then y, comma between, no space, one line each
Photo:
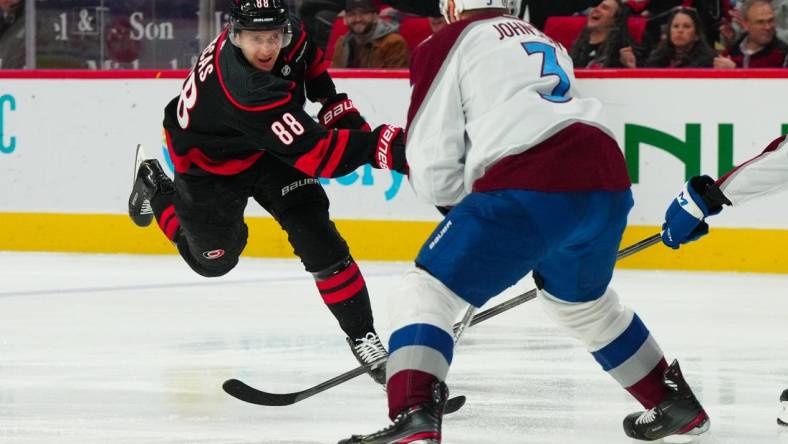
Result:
133,349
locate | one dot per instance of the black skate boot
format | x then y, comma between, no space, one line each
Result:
679,413
368,349
782,419
420,424
149,179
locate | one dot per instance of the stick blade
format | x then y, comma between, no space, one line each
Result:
239,390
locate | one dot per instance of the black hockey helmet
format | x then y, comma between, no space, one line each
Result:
260,15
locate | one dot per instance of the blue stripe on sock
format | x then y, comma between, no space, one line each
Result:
624,346
423,334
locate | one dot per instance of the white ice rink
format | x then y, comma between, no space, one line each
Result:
133,349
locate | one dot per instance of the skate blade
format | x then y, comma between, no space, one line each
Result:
139,157
704,438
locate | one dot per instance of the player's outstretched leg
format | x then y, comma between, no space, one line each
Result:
782,419
344,291
417,424
679,413
149,181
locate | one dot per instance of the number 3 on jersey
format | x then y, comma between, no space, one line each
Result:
551,67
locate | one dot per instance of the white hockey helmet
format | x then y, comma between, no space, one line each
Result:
453,8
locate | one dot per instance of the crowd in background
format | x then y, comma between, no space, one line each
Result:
613,34
12,33
718,34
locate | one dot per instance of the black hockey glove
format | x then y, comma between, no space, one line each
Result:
389,153
338,112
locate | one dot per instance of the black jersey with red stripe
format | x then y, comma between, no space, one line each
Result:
229,114
303,63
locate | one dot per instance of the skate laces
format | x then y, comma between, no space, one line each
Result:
146,208
369,349
647,417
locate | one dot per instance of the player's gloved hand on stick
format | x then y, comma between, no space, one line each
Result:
389,153
338,112
685,218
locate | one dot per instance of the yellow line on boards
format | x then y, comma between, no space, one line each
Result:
724,249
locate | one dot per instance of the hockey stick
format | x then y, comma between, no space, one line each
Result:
244,392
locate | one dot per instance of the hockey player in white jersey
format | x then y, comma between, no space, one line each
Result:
498,135
685,219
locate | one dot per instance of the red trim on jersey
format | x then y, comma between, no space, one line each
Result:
650,390
318,67
580,157
310,161
771,147
195,157
301,39
339,278
220,42
344,293
343,136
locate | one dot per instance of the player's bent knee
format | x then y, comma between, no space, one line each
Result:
424,299
596,323
212,263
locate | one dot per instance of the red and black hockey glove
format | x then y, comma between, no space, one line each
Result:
389,151
338,112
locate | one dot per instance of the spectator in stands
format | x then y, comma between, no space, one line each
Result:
781,18
712,14
370,42
605,41
759,47
12,34
10,12
685,45
539,10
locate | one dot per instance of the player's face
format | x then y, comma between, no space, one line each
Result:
682,31
603,15
759,23
261,48
359,21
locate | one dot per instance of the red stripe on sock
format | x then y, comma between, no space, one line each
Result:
338,279
650,390
172,227
344,293
165,216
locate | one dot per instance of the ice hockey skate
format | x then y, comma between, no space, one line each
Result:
782,418
679,413
368,349
148,179
420,424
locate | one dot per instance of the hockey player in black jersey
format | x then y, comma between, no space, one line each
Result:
239,130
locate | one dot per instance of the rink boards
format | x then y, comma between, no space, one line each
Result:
67,141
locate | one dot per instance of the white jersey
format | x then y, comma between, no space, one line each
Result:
502,88
762,175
